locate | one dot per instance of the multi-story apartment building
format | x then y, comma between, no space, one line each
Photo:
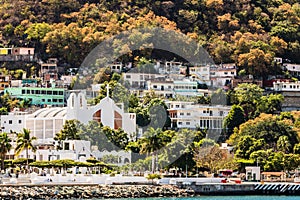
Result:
39,96
163,88
201,73
222,75
190,115
138,80
49,70
169,88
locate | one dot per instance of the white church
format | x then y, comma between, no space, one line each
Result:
46,122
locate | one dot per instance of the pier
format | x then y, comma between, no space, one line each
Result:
245,188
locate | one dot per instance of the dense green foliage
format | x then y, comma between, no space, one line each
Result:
268,140
249,33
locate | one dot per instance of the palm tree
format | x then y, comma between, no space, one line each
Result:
5,146
24,141
152,141
24,103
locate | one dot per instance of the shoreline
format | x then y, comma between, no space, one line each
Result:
138,190
85,191
134,189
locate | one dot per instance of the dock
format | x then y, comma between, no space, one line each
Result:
244,188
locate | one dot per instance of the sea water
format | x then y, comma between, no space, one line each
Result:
264,197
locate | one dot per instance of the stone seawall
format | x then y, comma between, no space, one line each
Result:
90,191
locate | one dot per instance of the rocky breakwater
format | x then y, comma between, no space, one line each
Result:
92,191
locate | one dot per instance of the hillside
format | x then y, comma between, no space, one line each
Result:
248,32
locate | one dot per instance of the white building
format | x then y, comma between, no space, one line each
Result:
78,150
189,115
170,67
46,122
186,88
67,80
169,88
281,86
138,80
252,173
201,73
220,76
294,69
163,88
116,67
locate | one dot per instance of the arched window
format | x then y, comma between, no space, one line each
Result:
97,116
117,120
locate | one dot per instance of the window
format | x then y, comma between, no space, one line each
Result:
43,92
179,123
60,100
221,113
188,114
54,100
60,93
225,73
204,111
232,72
20,121
55,93
155,86
187,123
32,91
128,76
49,92
27,91
49,100
23,91
10,121
38,92
43,100
181,114
67,146
177,106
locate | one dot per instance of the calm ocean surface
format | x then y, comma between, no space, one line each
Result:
229,198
